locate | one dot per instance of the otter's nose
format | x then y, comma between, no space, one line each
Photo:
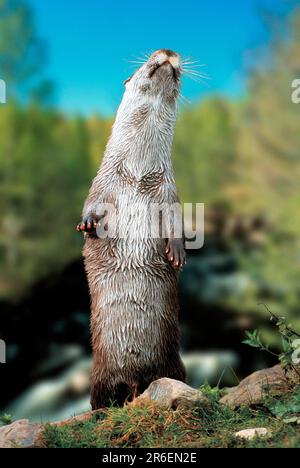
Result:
165,55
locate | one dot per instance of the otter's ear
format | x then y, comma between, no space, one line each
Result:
127,81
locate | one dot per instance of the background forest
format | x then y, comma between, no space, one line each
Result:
241,157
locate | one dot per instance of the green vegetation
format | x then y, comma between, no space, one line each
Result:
289,343
46,168
5,420
152,427
47,161
241,158
213,425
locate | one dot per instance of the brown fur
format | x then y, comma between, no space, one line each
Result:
133,284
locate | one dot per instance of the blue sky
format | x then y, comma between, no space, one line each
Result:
91,42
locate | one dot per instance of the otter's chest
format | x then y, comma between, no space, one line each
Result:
139,180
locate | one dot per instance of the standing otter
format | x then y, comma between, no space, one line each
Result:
133,281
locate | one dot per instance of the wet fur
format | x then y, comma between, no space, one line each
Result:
133,286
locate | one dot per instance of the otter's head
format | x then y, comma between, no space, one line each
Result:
156,83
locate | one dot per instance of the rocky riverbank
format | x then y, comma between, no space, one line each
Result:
263,410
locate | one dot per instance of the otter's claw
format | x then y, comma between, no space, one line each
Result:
88,224
176,253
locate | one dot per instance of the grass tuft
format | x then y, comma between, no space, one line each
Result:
150,426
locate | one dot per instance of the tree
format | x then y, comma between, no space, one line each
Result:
205,151
22,53
269,170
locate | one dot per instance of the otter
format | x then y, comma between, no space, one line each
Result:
133,282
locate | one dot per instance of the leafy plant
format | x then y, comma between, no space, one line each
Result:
288,338
5,420
287,409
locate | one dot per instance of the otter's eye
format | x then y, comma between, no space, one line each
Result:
127,81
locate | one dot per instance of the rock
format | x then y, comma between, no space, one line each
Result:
22,434
170,393
252,390
250,434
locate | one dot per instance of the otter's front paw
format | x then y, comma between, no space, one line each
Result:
176,253
88,224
